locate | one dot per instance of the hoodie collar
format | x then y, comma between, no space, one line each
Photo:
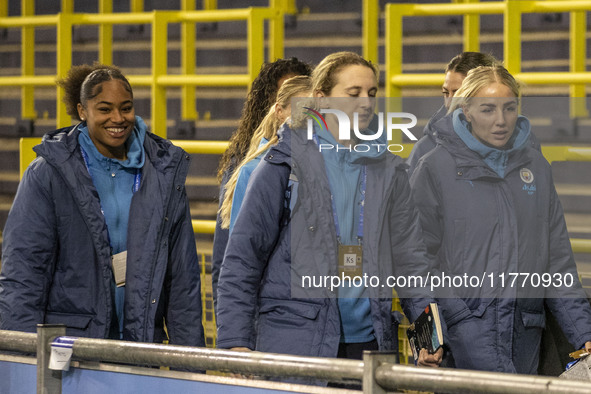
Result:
360,152
495,158
134,145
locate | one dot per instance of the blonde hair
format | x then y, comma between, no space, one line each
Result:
479,78
268,130
323,76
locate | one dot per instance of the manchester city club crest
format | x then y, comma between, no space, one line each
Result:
526,175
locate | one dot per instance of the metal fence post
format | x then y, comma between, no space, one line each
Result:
159,68
105,40
371,361
371,30
28,61
48,381
63,63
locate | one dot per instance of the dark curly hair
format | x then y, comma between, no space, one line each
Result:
261,96
80,83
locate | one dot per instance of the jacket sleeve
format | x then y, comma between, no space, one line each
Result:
220,241
241,183
183,315
29,253
253,238
427,196
568,304
408,248
420,149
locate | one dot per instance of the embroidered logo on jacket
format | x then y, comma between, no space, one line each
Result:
530,189
526,175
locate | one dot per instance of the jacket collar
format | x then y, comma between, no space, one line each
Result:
470,164
429,130
134,146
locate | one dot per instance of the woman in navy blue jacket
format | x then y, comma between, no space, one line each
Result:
489,210
99,237
261,97
287,228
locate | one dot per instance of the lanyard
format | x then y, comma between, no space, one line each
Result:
362,202
136,181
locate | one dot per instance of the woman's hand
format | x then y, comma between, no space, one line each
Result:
245,349
433,360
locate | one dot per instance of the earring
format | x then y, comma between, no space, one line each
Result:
82,119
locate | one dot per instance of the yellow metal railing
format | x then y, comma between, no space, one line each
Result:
512,11
370,29
159,79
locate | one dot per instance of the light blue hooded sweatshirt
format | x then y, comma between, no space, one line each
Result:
114,182
344,171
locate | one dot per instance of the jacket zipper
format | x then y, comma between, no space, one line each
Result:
157,254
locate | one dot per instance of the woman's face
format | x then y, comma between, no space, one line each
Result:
359,84
110,118
492,112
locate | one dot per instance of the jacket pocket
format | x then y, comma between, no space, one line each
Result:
533,319
70,320
456,310
479,310
298,308
290,327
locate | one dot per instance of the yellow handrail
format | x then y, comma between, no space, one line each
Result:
159,79
202,147
29,21
512,11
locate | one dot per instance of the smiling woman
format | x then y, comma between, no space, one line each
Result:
110,118
99,237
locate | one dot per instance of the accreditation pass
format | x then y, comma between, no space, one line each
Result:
119,263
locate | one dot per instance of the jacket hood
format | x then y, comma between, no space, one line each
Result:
453,135
429,129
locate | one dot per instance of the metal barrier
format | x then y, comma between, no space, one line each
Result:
512,11
389,376
376,372
159,79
